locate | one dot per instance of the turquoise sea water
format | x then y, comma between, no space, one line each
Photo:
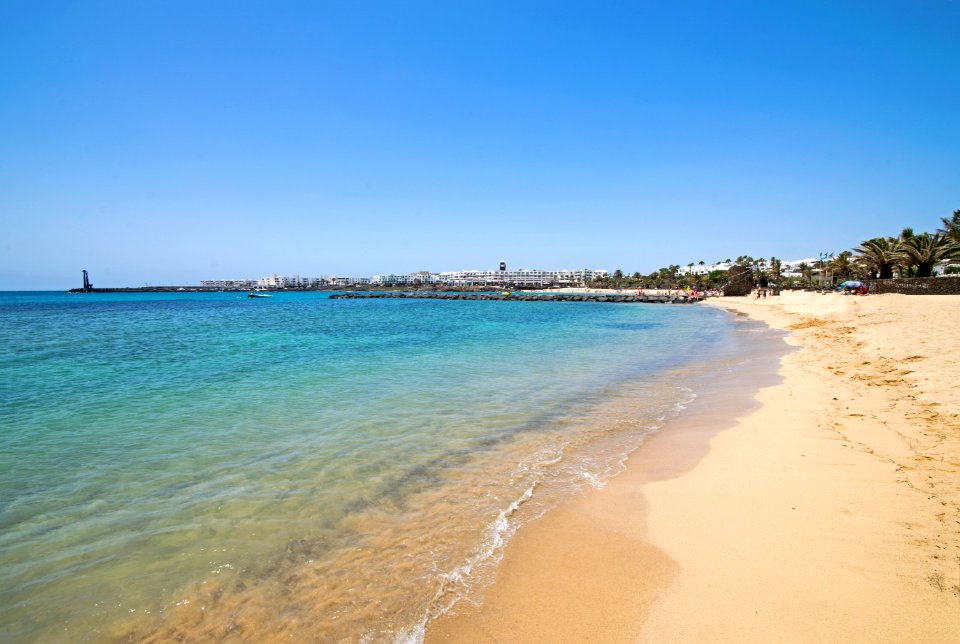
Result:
208,466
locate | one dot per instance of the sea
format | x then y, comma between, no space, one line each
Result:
204,466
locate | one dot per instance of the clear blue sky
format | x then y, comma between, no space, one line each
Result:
168,142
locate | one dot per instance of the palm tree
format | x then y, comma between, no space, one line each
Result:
841,265
775,266
760,272
806,271
926,251
880,255
904,267
951,227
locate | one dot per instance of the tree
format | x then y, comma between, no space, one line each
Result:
880,255
775,266
841,265
925,251
904,267
806,271
951,227
717,278
760,276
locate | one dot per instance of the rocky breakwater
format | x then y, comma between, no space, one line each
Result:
524,297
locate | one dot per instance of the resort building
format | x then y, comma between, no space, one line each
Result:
523,277
293,281
949,267
704,269
346,281
420,277
229,284
787,268
792,268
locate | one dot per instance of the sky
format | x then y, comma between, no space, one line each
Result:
166,142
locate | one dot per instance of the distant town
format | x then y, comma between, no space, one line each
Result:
524,277
520,278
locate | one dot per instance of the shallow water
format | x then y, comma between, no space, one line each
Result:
207,466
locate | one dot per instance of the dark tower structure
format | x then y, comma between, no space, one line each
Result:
503,266
86,281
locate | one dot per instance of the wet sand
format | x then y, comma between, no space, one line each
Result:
824,508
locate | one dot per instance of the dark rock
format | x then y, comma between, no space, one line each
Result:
740,281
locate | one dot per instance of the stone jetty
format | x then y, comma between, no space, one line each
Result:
523,297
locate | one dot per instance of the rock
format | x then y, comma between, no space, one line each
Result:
740,281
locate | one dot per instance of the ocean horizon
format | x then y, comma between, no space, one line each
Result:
199,465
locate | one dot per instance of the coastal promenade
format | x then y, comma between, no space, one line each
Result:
524,297
823,507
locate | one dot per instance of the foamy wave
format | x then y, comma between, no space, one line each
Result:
449,593
689,398
593,480
575,472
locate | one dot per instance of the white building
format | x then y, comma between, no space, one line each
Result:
278,281
940,270
229,284
347,281
524,277
787,268
392,279
291,281
704,269
792,268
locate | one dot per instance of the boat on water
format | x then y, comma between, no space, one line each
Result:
258,295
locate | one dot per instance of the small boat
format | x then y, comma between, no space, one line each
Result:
258,295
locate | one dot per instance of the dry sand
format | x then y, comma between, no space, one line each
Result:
828,511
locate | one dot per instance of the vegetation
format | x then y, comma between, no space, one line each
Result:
908,254
951,227
880,255
926,251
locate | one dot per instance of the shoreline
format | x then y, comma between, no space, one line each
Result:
824,508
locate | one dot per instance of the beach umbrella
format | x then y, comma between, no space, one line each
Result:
852,284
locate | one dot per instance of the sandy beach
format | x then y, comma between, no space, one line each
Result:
823,507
